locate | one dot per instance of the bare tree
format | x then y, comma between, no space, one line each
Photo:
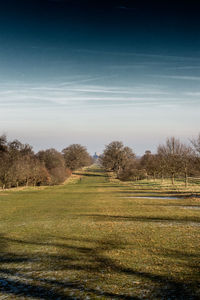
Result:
3,143
175,157
196,145
149,162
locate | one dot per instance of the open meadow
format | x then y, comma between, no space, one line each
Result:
95,238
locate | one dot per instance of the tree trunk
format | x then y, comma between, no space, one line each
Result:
162,178
186,180
172,179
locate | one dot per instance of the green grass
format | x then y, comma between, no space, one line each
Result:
86,240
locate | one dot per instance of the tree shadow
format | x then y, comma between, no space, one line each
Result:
43,288
173,205
98,170
101,217
153,192
90,175
16,281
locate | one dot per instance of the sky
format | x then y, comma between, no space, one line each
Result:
91,72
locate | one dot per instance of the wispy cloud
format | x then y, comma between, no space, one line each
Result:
79,93
193,78
139,54
86,80
184,68
195,94
128,66
93,89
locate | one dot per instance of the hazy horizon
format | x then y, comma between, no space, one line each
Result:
91,72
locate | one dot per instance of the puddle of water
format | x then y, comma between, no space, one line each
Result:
150,197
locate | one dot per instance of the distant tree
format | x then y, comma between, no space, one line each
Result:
116,157
196,145
175,157
16,158
20,166
149,162
51,158
5,169
76,156
59,174
195,162
3,143
8,163
54,162
161,165
132,172
39,174
187,163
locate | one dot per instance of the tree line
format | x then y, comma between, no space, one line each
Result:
20,166
172,159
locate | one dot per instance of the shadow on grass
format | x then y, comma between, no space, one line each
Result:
90,174
18,281
99,217
98,170
153,192
173,205
180,254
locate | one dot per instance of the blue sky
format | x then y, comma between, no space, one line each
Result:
72,73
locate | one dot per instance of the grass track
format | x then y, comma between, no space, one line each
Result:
84,240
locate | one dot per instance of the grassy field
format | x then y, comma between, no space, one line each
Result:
91,239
